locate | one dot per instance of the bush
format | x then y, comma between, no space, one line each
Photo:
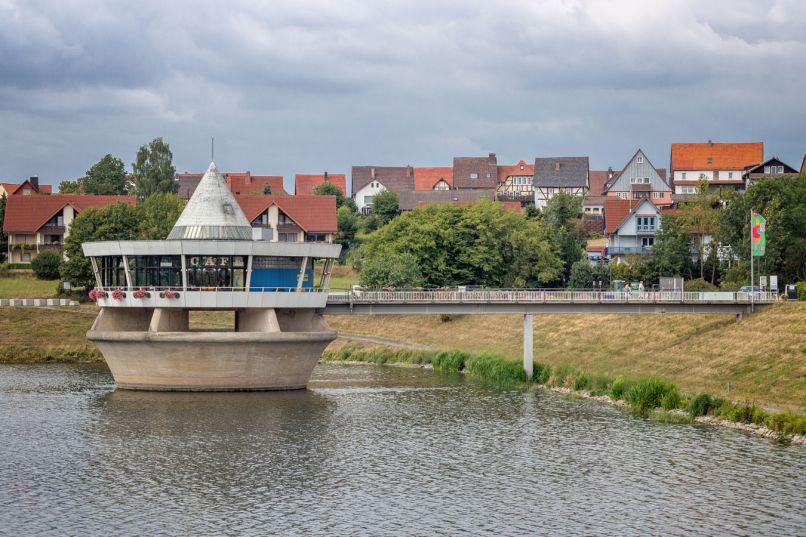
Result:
699,285
700,404
46,265
541,373
619,388
4,269
452,360
648,394
600,385
801,288
671,400
562,375
581,381
496,369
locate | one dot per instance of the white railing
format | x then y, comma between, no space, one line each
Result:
542,296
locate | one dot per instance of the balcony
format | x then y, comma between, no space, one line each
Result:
645,228
628,250
521,196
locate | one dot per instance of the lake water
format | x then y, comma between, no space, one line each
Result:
372,450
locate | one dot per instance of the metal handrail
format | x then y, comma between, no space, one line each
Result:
517,296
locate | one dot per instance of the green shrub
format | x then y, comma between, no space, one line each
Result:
562,375
581,381
541,373
600,385
46,265
700,404
3,269
671,399
619,388
495,368
647,394
452,360
801,288
699,285
786,423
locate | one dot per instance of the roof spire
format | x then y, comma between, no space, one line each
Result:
212,212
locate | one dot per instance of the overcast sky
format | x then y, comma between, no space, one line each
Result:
308,86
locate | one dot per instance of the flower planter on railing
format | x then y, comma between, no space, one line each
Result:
95,294
117,294
141,293
170,293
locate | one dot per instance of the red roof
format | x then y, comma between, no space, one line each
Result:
311,213
521,168
426,178
246,183
14,188
616,210
597,180
716,156
27,214
306,183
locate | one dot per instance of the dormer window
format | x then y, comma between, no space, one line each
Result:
640,160
710,160
474,175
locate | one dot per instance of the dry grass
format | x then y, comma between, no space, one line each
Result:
47,334
762,357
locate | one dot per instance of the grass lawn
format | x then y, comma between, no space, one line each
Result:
762,357
47,334
26,286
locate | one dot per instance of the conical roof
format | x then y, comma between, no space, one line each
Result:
212,212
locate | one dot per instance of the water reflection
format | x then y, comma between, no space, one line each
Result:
371,451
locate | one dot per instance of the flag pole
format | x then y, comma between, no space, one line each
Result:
752,278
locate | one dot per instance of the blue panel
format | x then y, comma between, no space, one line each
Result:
279,277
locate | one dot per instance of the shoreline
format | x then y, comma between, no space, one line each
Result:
673,416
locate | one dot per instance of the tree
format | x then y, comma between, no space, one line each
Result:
329,189
46,265
266,189
106,177
348,225
671,250
153,170
386,205
396,270
481,244
118,221
699,219
563,214
3,236
158,214
71,187
584,275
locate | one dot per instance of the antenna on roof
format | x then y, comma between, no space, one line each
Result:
212,149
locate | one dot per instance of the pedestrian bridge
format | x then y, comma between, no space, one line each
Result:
540,301
528,302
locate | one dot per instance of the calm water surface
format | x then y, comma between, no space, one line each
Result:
372,451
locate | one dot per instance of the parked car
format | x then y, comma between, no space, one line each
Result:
746,291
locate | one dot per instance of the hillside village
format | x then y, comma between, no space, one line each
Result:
621,207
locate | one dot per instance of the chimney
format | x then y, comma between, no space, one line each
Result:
326,178
34,182
372,173
710,143
557,166
492,158
610,172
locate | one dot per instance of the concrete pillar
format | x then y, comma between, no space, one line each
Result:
169,320
256,320
122,320
528,344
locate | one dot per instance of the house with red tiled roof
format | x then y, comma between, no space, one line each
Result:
37,223
515,183
434,178
26,188
630,226
306,183
240,183
720,164
302,218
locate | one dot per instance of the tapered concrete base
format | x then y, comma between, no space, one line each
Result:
211,361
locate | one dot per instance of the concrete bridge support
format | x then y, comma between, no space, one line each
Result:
528,344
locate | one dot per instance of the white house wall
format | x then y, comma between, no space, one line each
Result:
639,169
367,190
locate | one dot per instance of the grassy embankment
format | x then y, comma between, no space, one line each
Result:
762,357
